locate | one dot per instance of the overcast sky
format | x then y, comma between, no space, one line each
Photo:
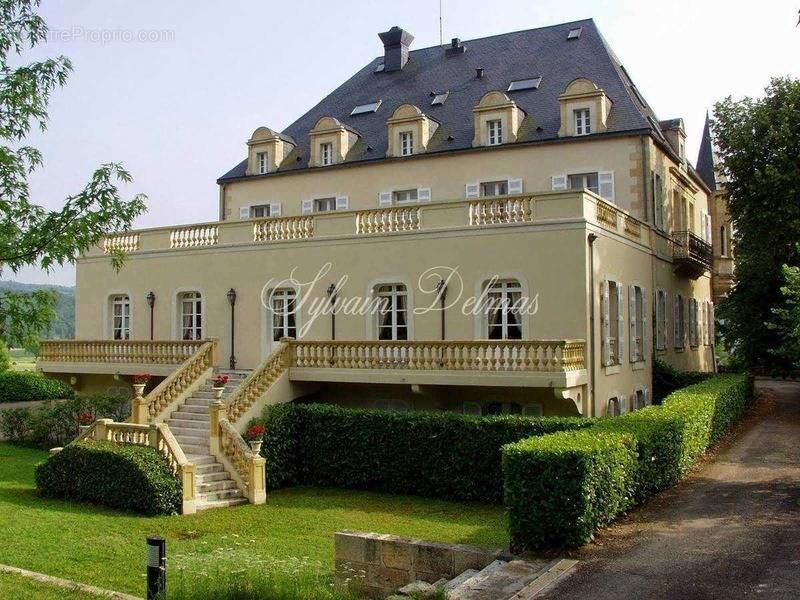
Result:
177,108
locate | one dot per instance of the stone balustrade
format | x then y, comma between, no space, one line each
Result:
258,382
165,352
388,220
248,468
194,236
282,229
121,242
495,211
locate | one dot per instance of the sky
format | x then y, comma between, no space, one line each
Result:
174,89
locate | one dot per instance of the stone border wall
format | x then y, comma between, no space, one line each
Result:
378,564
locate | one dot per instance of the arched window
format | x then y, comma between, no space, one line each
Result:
191,304
392,314
613,409
503,318
121,317
283,305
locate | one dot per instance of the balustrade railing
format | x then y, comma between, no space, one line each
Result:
194,236
167,352
121,242
495,211
607,214
227,444
280,229
257,382
388,220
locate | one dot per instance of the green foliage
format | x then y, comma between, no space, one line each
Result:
63,326
124,476
18,386
759,142
560,488
667,379
5,357
787,323
437,454
24,316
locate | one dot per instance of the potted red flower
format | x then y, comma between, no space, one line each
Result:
255,435
140,382
218,383
84,420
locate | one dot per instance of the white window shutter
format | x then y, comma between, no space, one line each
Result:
643,348
385,199
558,182
514,186
622,400
606,317
620,322
646,397
424,194
676,330
244,213
632,322
275,209
342,202
307,207
605,184
472,190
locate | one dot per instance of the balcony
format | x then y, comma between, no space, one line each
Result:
692,255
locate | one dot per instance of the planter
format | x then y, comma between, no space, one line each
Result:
138,389
255,446
218,392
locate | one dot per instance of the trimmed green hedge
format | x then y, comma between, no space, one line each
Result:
123,476
438,454
560,488
667,379
21,386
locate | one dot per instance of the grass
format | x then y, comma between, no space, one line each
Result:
22,360
106,548
22,588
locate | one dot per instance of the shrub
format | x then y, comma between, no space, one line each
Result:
5,357
123,476
438,454
667,379
561,487
18,386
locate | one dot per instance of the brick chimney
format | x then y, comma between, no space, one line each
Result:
395,44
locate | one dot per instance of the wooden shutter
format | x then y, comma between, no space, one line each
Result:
514,186
424,194
606,322
558,182
676,327
244,213
643,347
620,322
275,209
605,184
385,199
622,402
342,202
713,323
472,190
632,322
307,206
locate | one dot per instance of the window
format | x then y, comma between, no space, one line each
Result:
284,314
326,154
260,211
191,316
661,320
403,196
613,408
406,143
503,318
640,399
494,188
324,204
612,319
366,108
636,317
679,326
574,34
723,241
694,325
439,99
502,408
658,201
495,130
392,311
121,317
583,125
524,84
532,410
580,181
263,163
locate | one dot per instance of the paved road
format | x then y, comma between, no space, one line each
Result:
730,531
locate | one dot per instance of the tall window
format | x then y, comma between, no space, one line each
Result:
503,318
402,196
583,124
262,162
191,316
723,241
679,329
406,143
661,320
636,318
326,154
658,201
495,131
392,311
121,317
580,181
324,204
284,314
494,188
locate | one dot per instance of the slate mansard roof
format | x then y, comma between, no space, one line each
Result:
544,52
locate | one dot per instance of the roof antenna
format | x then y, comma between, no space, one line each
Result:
440,24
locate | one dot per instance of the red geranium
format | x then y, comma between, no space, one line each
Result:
84,418
255,432
140,378
220,381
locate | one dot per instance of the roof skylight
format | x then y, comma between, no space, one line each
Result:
524,84
365,108
574,34
380,68
439,99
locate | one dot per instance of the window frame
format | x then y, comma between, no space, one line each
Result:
124,302
285,327
264,208
262,162
585,177
391,296
326,154
510,292
406,143
582,120
494,132
502,184
196,315
396,196
318,203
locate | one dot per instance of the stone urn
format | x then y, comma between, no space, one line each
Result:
83,429
218,391
255,446
138,389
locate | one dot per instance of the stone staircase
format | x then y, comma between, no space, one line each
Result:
190,424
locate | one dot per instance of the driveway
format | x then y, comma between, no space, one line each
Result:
731,530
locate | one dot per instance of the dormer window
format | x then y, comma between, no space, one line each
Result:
263,162
406,143
583,123
495,132
326,154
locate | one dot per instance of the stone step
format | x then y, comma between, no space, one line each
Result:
182,415
195,401
200,424
208,504
200,458
459,579
209,469
501,582
221,495
209,476
465,586
197,431
215,486
193,408
234,372
194,448
209,395
192,440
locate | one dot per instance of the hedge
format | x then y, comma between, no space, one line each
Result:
438,454
667,379
123,476
21,386
560,488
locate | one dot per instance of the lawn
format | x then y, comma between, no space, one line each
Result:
22,360
107,548
21,588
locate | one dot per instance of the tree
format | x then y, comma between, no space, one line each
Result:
30,234
787,321
759,144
